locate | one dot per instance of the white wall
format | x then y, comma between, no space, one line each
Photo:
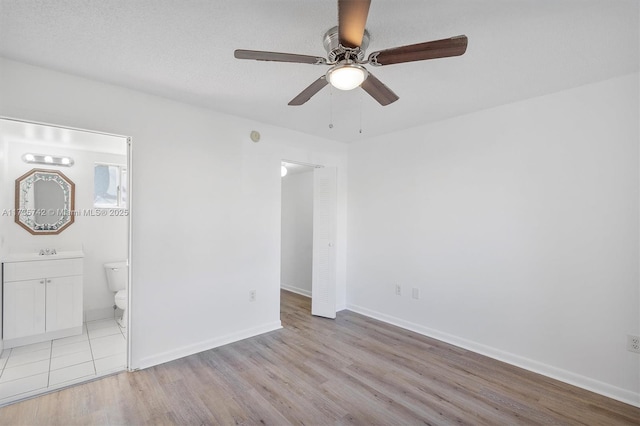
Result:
518,224
297,232
103,239
205,206
519,227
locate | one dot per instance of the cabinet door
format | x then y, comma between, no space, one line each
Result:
24,308
64,303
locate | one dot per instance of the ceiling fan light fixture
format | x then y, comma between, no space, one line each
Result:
347,76
346,45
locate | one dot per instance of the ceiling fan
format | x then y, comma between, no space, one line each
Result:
346,45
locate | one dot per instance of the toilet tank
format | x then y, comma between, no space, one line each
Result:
117,275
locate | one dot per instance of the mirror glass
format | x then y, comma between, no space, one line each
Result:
44,201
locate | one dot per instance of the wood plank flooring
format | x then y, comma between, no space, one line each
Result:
352,370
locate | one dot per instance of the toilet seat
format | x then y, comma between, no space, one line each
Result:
121,298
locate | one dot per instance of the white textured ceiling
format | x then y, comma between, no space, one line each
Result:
183,50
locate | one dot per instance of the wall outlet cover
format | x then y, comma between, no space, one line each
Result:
415,293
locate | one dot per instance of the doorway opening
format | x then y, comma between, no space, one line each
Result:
296,228
65,289
308,231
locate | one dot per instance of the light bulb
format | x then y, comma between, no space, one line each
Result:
346,76
48,159
283,171
29,157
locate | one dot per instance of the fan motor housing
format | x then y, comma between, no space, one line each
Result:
336,52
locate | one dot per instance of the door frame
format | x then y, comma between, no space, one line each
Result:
129,141
334,272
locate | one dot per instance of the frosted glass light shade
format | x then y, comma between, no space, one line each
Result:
346,76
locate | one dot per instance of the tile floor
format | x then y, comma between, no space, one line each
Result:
26,370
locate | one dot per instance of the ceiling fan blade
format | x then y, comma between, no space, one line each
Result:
260,55
454,46
379,91
307,93
352,18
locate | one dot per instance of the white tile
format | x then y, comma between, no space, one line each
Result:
27,384
104,331
94,325
109,345
73,372
71,339
26,358
70,359
5,354
24,370
31,348
111,363
70,348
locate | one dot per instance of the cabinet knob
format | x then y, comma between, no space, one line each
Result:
48,281
42,282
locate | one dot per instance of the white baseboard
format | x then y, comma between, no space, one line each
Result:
184,351
98,314
297,290
562,375
37,338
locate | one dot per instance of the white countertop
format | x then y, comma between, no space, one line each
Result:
29,257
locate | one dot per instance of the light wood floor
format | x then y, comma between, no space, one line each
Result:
353,370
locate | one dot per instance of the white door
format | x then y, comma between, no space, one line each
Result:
325,206
24,308
64,303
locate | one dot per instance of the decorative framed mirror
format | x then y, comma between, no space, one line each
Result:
45,201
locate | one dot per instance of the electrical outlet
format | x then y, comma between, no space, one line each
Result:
398,290
252,296
415,293
633,343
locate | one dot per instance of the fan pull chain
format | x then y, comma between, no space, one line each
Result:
330,107
360,94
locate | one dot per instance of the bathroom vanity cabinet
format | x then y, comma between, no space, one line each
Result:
42,298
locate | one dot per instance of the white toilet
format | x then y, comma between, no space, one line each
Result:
118,280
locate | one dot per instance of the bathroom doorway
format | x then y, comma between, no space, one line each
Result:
65,271
308,229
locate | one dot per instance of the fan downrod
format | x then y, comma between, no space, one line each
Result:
336,52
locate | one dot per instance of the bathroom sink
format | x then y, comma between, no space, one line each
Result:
26,257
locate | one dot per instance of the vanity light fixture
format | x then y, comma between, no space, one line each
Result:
49,160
